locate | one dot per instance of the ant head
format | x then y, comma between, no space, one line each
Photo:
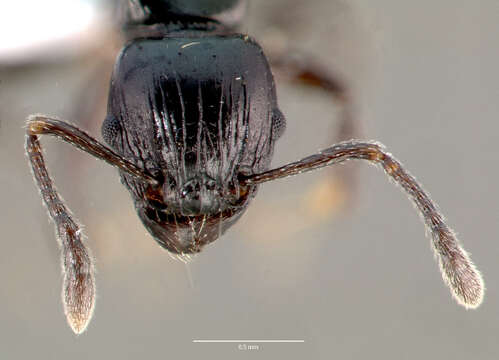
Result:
182,219
195,114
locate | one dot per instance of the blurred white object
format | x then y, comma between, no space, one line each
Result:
45,30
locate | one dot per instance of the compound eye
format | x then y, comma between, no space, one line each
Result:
111,128
278,124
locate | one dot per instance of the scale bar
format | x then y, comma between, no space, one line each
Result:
248,341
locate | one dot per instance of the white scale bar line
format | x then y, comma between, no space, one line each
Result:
248,341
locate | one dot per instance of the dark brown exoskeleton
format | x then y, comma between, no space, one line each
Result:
192,123
198,112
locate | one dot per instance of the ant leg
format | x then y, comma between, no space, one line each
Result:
90,100
78,294
458,272
304,70
78,270
299,68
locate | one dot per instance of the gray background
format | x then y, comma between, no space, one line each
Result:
355,282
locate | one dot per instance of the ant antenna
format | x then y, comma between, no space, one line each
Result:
458,272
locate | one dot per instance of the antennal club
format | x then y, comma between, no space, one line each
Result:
458,272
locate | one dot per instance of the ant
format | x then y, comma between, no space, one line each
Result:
191,125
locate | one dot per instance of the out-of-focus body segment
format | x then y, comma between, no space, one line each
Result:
228,13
